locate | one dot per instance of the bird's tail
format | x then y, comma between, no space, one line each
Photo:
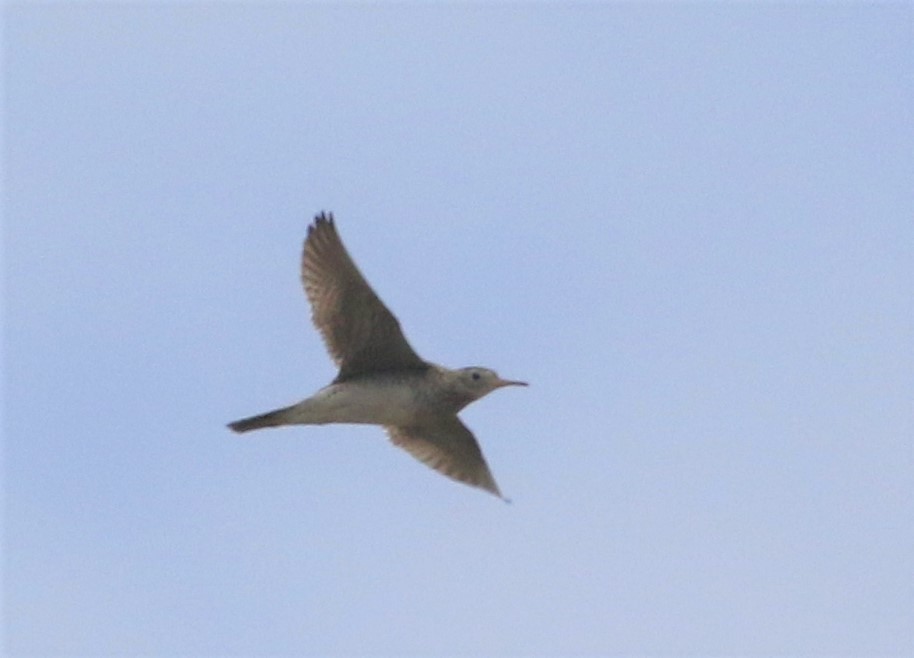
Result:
269,419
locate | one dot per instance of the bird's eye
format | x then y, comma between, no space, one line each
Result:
475,376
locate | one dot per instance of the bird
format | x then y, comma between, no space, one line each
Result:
381,379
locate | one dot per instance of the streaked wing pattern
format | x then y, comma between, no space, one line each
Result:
360,332
448,446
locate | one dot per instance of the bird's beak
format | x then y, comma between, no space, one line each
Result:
510,382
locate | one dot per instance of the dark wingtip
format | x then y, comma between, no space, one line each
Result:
323,217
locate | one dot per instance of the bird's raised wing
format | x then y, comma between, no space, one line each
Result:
361,334
448,446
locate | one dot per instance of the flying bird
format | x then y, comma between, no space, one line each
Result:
381,379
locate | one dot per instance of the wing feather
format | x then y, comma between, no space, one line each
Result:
448,446
360,332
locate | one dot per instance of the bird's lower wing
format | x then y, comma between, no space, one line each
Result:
448,446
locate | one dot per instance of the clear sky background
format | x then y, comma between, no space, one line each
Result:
689,227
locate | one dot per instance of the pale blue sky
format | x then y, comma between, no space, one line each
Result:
690,227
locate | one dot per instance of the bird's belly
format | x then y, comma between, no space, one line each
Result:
370,403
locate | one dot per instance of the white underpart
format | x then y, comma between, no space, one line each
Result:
360,403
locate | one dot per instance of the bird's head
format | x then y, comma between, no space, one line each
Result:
477,382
